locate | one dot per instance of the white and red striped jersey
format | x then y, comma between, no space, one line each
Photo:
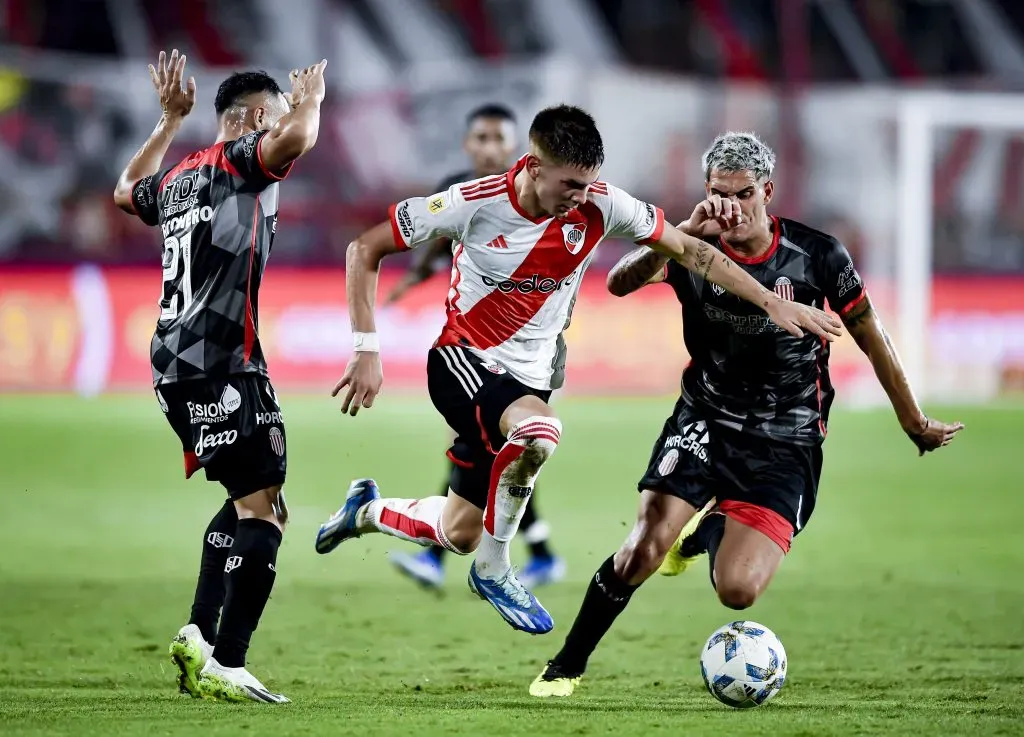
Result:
515,278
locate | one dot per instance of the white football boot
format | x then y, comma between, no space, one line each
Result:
218,683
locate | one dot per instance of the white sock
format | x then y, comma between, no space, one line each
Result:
530,443
415,520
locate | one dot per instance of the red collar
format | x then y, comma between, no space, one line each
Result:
513,196
741,259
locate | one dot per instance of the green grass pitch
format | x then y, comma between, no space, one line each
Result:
900,606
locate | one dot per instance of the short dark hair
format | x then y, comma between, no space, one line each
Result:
491,110
242,84
569,136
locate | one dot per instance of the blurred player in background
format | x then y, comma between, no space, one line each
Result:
490,142
217,210
751,418
525,240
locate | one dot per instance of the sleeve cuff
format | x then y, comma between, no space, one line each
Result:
400,243
271,175
854,303
659,228
131,198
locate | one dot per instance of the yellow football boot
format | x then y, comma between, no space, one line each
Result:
553,682
675,562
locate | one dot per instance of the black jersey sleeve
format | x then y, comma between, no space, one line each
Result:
145,198
674,274
843,286
244,154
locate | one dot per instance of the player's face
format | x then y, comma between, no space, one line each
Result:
560,189
268,110
490,143
752,196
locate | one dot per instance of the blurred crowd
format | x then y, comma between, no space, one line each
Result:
64,135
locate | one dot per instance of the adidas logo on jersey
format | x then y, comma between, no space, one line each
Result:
534,283
498,242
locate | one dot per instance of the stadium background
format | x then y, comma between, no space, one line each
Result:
900,607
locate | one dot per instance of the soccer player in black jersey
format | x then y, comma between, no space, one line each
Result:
490,143
735,470
217,213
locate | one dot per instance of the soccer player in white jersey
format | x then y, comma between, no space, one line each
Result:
524,240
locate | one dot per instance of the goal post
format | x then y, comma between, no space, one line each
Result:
919,115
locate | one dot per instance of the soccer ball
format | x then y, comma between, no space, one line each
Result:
743,664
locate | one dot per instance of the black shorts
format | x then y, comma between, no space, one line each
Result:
472,394
230,427
696,460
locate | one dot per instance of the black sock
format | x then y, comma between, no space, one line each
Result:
250,575
217,541
436,552
538,547
711,530
606,598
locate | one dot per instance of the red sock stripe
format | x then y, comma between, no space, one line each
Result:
541,430
539,435
508,453
408,525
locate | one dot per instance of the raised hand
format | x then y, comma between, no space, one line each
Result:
175,100
307,83
712,217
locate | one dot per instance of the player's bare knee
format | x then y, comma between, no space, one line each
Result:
463,540
265,504
737,593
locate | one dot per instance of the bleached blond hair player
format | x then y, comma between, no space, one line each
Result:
525,239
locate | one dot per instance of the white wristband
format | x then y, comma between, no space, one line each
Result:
365,342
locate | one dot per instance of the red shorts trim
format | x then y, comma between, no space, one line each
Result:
457,461
192,463
762,519
483,432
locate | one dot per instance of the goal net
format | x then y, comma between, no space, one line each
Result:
959,256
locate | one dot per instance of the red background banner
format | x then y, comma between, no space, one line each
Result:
62,329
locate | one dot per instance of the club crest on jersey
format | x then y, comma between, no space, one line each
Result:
784,288
575,234
276,440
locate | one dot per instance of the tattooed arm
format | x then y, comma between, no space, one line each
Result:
714,266
866,328
637,268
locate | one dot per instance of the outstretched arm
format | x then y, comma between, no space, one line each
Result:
364,374
296,132
639,267
175,104
714,266
866,328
